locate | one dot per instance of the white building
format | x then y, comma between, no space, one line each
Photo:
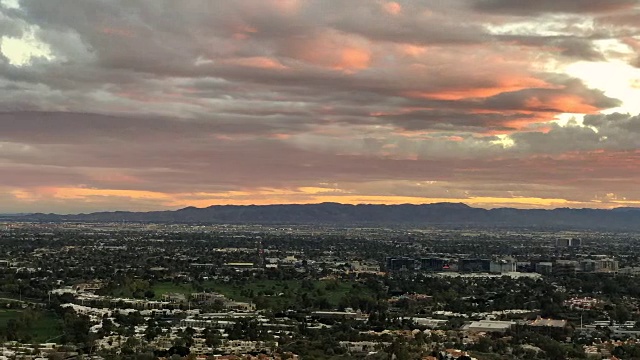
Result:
503,266
489,326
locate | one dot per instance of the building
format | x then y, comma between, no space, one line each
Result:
362,347
239,306
565,267
568,242
239,265
584,303
365,267
208,298
174,298
475,265
620,332
207,323
454,354
607,265
429,322
434,264
246,346
411,298
489,326
544,268
503,266
89,286
541,322
632,271
602,264
401,263
339,315
588,265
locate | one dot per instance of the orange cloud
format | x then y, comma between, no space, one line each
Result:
315,195
300,195
260,62
524,123
413,50
331,49
502,86
392,8
114,177
80,193
24,196
243,32
287,7
563,103
353,59
280,136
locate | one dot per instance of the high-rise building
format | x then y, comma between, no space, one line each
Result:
607,265
475,265
545,268
588,265
434,264
568,242
503,266
565,267
401,263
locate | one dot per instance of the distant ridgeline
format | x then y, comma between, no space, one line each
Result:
439,214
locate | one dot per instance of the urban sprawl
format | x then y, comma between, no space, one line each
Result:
147,291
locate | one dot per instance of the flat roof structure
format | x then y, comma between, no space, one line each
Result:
548,322
489,326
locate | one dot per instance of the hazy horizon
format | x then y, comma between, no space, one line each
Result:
317,203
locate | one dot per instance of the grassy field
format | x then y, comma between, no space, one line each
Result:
44,326
168,287
47,326
276,293
6,315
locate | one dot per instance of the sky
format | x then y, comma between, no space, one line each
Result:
162,104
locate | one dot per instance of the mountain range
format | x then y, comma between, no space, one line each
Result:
439,214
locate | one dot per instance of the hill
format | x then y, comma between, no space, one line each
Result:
439,214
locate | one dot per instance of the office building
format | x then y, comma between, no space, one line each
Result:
434,264
475,265
502,266
401,263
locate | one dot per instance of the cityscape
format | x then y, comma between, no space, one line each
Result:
114,290
319,179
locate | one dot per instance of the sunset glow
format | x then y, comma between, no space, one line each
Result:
103,107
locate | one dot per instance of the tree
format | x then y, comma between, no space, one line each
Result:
212,338
621,313
484,344
107,326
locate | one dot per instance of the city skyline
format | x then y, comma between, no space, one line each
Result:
147,105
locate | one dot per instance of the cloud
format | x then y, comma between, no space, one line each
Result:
569,46
613,132
155,104
572,96
525,8
392,7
